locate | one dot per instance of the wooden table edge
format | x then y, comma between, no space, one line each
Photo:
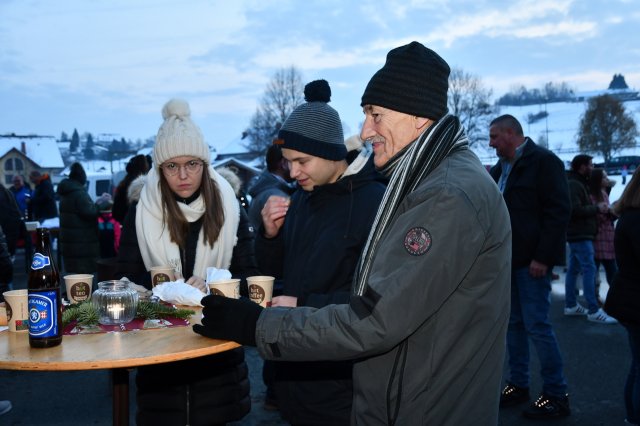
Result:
218,345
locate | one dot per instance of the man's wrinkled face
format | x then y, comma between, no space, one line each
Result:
388,131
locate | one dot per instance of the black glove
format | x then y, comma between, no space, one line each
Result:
229,319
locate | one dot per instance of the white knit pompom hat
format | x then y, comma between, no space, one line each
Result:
178,135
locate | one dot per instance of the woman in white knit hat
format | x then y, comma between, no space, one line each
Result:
184,214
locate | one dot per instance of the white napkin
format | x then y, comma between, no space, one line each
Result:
178,293
215,274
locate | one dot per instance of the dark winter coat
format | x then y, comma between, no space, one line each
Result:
43,200
10,219
202,391
266,186
584,214
316,254
79,238
623,298
537,197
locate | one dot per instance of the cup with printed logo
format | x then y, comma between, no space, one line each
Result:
261,289
227,288
17,310
162,274
78,287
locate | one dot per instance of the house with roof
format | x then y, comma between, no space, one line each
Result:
235,157
22,154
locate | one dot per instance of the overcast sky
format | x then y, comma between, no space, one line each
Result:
107,67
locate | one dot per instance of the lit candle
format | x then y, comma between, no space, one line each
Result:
115,311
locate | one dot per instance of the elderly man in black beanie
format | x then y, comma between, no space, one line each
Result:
428,313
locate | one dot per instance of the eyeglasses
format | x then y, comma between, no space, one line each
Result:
191,167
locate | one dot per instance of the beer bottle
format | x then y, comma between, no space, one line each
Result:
44,298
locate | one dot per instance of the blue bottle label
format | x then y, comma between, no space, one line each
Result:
43,313
40,261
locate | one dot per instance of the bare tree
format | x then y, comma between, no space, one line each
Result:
469,100
283,94
606,127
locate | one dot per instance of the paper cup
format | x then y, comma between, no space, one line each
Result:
227,288
162,274
17,310
261,289
78,287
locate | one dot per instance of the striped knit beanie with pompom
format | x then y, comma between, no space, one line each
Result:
314,127
178,135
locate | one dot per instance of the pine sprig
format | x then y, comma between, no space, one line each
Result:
87,315
149,310
84,313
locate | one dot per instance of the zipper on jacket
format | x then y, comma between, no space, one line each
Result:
402,352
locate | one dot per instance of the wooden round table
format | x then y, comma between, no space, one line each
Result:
116,351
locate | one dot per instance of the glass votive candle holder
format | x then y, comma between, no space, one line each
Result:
115,302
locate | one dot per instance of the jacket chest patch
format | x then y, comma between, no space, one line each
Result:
417,241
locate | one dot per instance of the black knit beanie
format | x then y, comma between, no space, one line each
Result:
414,80
314,127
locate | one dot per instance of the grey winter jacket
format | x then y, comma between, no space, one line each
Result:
428,336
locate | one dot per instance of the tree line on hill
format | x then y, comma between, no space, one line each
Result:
551,92
89,148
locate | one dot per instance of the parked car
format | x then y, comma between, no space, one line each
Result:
614,166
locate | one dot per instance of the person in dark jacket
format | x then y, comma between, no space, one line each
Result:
316,250
272,181
623,298
22,193
10,219
533,183
43,200
79,238
136,166
187,216
6,276
6,265
582,230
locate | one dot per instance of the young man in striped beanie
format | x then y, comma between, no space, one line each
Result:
312,242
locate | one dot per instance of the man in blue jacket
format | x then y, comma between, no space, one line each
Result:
312,241
534,186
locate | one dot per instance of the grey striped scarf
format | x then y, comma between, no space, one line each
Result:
408,168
